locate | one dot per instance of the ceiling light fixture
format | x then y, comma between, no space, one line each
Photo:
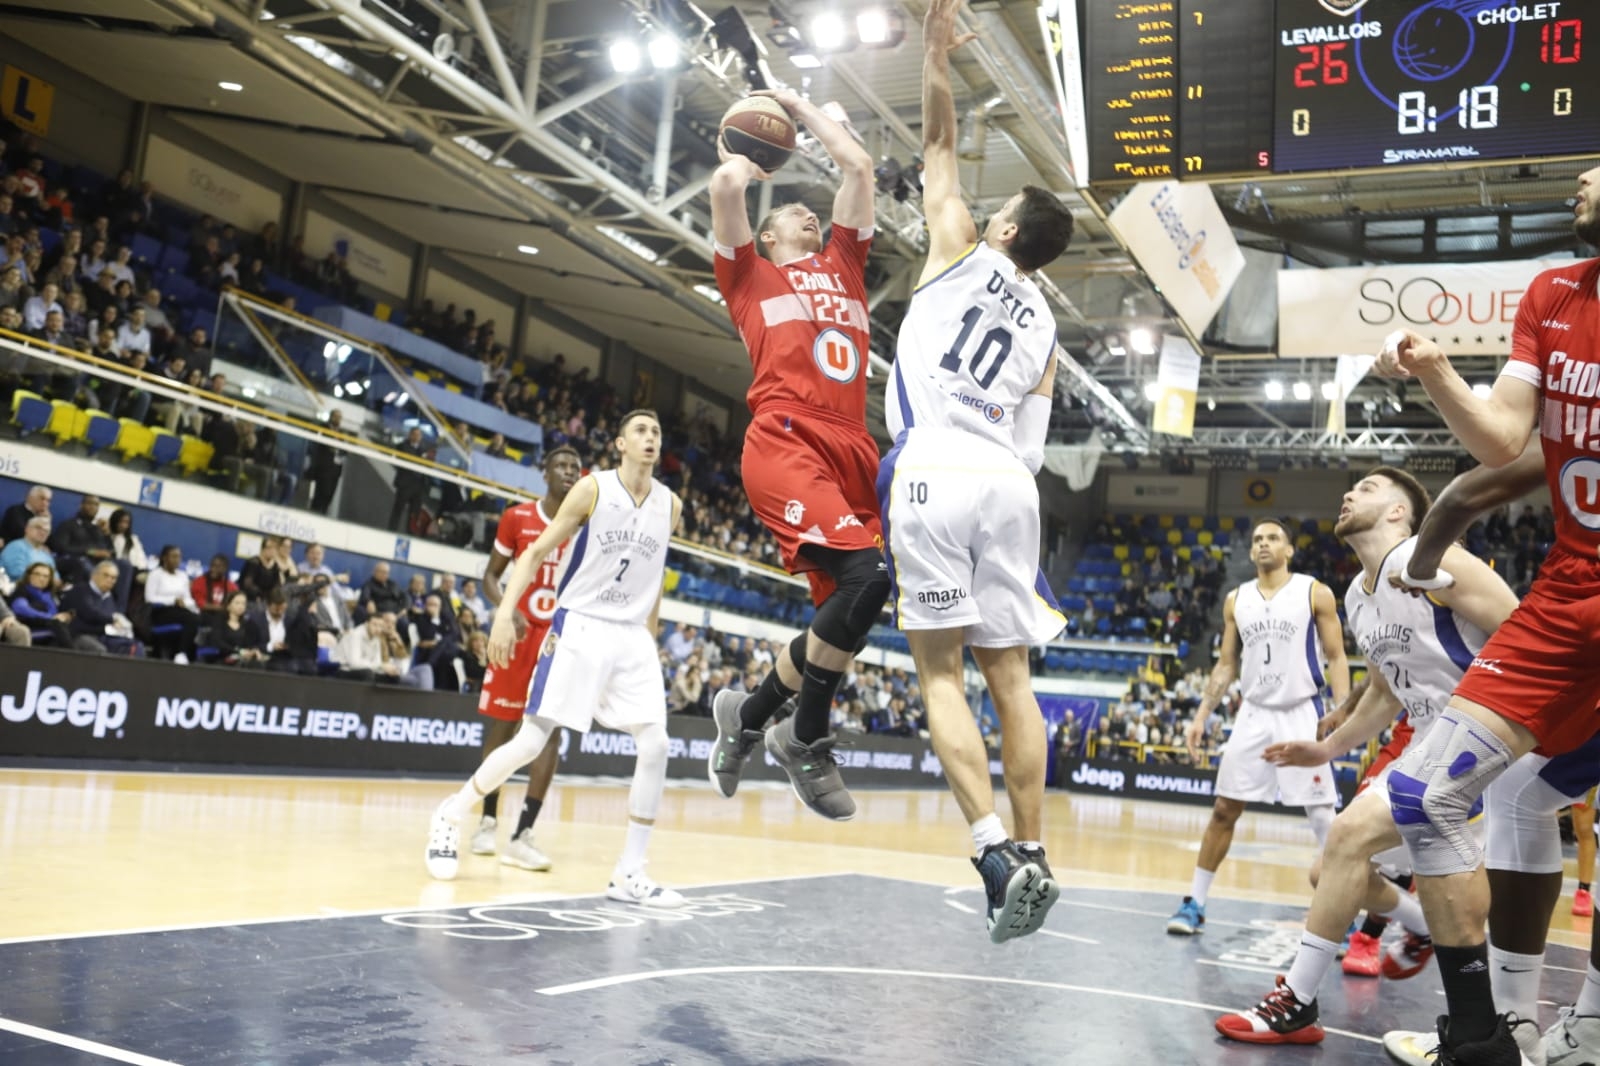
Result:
829,32
1142,340
625,57
1152,391
872,26
1274,390
230,86
1302,391
1330,391
527,249
665,51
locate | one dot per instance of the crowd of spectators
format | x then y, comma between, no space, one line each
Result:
1516,542
1170,597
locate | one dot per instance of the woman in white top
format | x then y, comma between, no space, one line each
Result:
125,543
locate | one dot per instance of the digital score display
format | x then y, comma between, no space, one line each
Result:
1382,83
1131,56
1225,72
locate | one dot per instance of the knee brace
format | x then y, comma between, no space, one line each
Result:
649,771
862,586
1523,835
797,654
1437,788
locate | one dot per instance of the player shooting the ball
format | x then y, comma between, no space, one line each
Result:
809,466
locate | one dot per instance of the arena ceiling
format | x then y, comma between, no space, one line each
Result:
477,125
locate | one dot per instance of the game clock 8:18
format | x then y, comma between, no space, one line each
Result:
1376,83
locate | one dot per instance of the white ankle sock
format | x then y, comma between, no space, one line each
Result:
1514,979
1589,998
1029,845
458,806
987,832
1408,912
633,848
1201,885
1311,964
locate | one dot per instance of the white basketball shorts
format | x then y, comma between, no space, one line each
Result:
961,533
593,670
1245,775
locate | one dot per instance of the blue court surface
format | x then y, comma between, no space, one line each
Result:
822,970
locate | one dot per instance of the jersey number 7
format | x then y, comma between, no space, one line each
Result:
998,338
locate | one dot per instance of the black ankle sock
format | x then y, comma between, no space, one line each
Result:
1403,883
491,804
816,703
530,811
1583,885
1466,990
1374,925
771,694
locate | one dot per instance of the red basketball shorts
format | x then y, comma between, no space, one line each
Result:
505,690
1541,668
811,478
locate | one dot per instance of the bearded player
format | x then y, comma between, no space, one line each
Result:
504,699
810,466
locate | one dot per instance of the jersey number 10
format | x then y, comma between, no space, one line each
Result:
997,339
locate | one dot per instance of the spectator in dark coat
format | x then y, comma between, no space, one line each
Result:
80,543
291,636
381,594
94,610
410,486
324,465
237,638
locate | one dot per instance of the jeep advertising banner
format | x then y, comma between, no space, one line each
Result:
1157,781
67,705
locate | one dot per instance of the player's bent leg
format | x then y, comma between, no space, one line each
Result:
444,834
520,851
741,718
1525,871
496,732
629,882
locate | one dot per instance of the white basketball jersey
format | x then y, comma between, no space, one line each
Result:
975,341
616,562
1282,664
1421,648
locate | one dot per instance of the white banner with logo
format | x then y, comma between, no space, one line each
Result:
1177,388
1141,493
190,179
1468,308
1177,233
380,265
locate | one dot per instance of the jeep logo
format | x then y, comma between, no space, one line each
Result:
1110,780
104,712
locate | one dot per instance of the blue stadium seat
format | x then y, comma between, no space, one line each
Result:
1105,605
1103,626
146,249
166,448
101,432
30,412
174,258
1136,626
1077,585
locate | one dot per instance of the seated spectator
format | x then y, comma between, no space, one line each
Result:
228,272
79,543
75,318
13,291
98,624
166,594
497,446
205,262
681,642
436,641
12,630
687,685
121,267
291,636
92,265
315,564
36,504
19,556
34,604
154,316
416,598
210,591
265,570
326,607
47,300
373,652
472,601
134,336
380,594
194,349
475,663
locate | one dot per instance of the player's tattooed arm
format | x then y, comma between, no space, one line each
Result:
1464,501
1222,677
1325,616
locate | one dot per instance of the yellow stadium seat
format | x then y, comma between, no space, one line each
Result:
1205,537
1174,537
68,421
1150,551
1325,525
1166,521
1127,569
1303,540
135,441
1120,551
1184,553
451,386
672,579
195,457
1196,521
514,454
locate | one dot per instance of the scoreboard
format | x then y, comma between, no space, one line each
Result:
1196,89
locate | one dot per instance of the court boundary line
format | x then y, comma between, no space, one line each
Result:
597,983
378,912
78,1043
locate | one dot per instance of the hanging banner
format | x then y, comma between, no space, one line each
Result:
1467,308
1059,24
1177,387
1347,375
1178,235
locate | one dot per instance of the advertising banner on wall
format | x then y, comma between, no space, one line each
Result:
382,266
1155,781
68,705
203,185
1468,308
1177,388
1178,235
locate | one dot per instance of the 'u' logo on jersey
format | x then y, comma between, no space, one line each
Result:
836,356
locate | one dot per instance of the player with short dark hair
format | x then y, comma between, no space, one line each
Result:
1283,626
810,465
504,696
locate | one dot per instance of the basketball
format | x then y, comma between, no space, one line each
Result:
759,129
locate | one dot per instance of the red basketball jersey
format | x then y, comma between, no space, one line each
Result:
804,323
519,527
1556,348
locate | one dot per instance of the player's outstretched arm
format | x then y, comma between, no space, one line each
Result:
855,203
1478,594
1325,614
1468,498
950,226
1494,429
1222,675
1377,707
730,218
575,510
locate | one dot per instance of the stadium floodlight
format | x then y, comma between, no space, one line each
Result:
625,57
665,51
1142,339
1330,391
1274,390
829,32
1152,391
1302,391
